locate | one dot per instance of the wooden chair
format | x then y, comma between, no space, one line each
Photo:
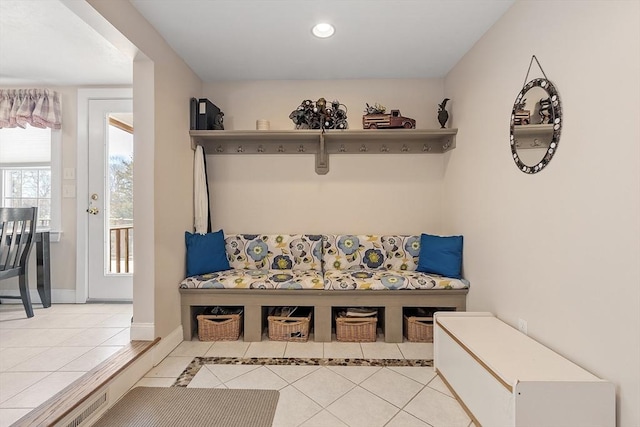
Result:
17,232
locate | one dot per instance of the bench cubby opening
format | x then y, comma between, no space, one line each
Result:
392,303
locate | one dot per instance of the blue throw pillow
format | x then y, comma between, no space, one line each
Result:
206,253
440,255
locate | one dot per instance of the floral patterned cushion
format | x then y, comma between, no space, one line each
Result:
344,252
367,279
390,252
274,251
256,279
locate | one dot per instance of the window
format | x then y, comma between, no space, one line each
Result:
29,167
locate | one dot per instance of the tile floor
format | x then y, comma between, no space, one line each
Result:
40,356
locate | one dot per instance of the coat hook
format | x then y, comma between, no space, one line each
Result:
280,149
384,149
342,148
301,149
260,149
446,145
240,149
363,148
426,148
405,148
219,149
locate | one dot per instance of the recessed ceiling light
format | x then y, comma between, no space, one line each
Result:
323,30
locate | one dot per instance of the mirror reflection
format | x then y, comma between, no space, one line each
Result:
535,125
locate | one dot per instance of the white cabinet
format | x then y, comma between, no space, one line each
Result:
505,378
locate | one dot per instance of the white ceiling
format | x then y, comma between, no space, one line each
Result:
43,41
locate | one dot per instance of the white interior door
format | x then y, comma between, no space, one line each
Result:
110,200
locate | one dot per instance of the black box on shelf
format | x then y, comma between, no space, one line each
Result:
205,115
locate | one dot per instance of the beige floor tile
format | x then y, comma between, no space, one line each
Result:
92,337
308,349
91,359
36,337
12,383
266,348
437,409
417,373
10,416
192,348
323,418
170,367
121,320
204,379
361,408
294,408
404,419
228,349
342,350
9,357
392,387
355,374
292,373
323,386
439,385
42,390
380,350
416,350
122,338
51,360
260,379
228,372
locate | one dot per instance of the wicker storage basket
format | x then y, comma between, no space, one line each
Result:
356,329
282,328
418,329
219,327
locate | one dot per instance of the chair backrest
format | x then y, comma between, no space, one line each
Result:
17,231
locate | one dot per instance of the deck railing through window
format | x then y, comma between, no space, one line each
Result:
121,249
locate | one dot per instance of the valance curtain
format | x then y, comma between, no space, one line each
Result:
37,107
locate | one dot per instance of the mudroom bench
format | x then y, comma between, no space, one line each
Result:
323,302
321,272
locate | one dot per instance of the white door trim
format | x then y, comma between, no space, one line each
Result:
82,176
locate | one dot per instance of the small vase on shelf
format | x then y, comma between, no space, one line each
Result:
443,115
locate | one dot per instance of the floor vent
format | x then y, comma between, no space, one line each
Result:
88,411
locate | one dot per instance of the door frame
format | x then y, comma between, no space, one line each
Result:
82,181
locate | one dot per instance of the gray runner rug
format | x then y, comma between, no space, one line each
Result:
193,407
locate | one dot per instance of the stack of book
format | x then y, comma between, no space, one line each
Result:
359,312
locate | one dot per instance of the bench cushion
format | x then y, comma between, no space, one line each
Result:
256,279
371,252
366,279
274,251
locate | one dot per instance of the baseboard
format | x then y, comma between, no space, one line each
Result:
58,296
142,331
167,345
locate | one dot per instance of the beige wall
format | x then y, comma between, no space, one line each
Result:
373,193
559,249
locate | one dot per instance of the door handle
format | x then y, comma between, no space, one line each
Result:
92,209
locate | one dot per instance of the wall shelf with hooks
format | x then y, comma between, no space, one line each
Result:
321,144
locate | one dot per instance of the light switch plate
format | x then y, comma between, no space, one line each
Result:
69,173
68,191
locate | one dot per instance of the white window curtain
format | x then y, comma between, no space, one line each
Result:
37,107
